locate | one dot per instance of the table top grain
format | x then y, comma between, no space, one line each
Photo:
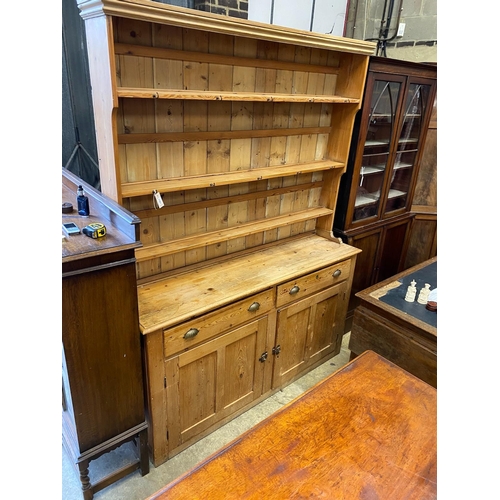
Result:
79,246
366,431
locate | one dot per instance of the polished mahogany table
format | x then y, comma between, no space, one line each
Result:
368,431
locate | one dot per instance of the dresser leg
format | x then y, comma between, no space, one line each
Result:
83,467
144,452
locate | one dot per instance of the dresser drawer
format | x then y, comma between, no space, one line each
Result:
310,283
193,332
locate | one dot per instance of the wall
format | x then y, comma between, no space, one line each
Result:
360,19
233,8
321,16
419,41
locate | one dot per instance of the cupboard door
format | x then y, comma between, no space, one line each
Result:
209,382
307,331
366,263
392,251
102,353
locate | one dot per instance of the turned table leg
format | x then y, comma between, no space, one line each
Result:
83,467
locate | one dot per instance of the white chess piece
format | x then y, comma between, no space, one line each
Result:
411,292
424,294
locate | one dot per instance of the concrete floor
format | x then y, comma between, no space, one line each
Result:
137,487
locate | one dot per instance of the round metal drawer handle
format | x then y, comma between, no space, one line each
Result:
192,332
294,290
254,307
337,273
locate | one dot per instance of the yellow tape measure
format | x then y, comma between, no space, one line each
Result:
95,230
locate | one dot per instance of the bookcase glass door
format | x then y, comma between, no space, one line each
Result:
377,148
417,98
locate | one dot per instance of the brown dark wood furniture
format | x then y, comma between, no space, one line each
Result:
375,208
103,396
367,431
423,232
392,330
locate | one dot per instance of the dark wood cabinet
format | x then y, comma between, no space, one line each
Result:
423,235
377,191
102,376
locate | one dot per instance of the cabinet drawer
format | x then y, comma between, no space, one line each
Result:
196,331
305,285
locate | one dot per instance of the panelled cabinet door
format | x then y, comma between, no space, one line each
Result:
367,260
392,250
209,382
308,330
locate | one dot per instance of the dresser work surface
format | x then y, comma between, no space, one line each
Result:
367,431
165,303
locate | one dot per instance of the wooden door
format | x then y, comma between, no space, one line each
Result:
366,262
307,331
210,382
393,249
102,372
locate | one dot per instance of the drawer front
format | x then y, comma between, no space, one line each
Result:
193,332
305,285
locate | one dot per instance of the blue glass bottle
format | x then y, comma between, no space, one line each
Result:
82,201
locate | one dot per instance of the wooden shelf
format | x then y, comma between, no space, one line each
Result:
369,198
242,230
365,199
129,49
372,169
395,193
399,165
207,95
155,137
132,189
371,143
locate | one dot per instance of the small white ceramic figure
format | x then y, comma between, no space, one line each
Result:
411,292
424,294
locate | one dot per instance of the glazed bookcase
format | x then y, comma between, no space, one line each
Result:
228,139
375,210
